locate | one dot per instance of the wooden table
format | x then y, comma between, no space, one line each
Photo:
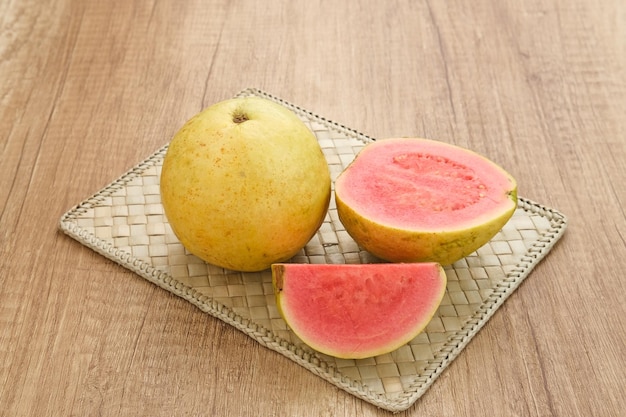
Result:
90,88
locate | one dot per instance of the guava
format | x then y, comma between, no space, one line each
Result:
245,184
420,200
354,311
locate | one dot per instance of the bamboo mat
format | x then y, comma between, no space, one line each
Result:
125,223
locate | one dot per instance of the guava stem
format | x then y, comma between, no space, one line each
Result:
239,116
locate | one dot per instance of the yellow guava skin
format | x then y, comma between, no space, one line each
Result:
404,245
444,246
245,184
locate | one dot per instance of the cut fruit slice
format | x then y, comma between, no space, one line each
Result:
358,311
420,200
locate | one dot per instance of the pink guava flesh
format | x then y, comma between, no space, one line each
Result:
356,311
424,184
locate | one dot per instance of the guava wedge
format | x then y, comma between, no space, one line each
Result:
420,200
361,310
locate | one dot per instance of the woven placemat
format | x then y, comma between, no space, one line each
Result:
125,223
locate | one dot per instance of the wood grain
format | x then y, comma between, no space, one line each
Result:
90,88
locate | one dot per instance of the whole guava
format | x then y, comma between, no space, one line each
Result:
245,184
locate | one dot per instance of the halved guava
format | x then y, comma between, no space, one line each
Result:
420,200
358,311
